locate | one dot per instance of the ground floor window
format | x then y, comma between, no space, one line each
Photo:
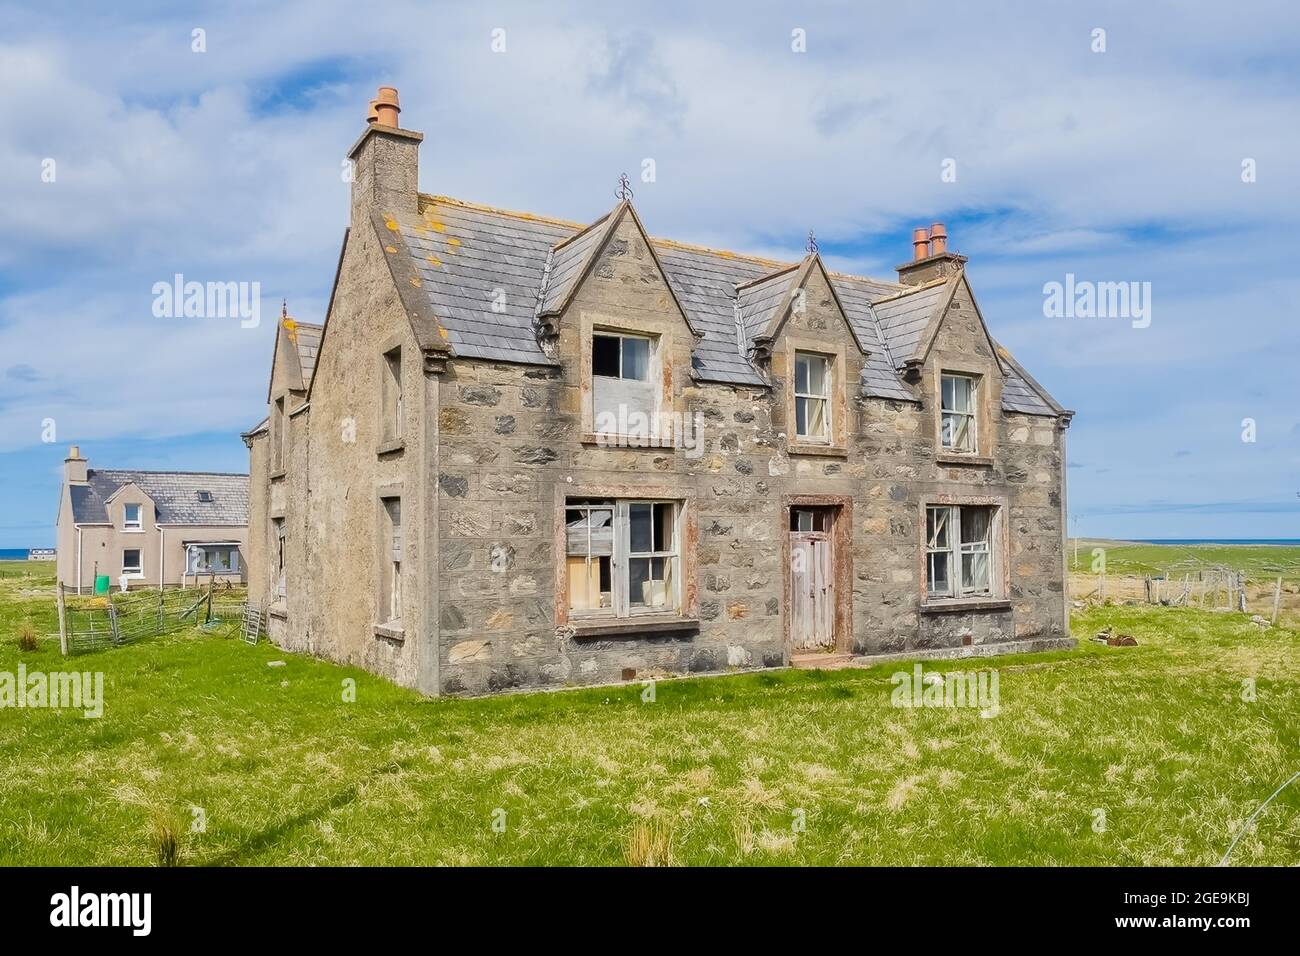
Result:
390,577
280,590
622,556
959,550
132,561
212,559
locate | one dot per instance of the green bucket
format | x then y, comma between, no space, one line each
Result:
101,584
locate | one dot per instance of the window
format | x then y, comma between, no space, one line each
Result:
279,588
957,401
132,563
131,520
205,497
212,559
622,556
959,553
812,394
390,577
391,392
623,398
277,435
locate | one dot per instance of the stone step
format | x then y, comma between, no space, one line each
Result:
821,660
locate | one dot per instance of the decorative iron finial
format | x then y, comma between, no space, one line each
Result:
284,308
624,188
812,243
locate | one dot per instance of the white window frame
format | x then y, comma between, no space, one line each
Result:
828,362
196,559
127,523
623,555
970,415
138,570
955,549
652,353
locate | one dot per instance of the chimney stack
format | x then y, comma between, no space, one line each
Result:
74,466
385,163
930,257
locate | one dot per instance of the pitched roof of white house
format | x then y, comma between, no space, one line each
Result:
175,495
463,256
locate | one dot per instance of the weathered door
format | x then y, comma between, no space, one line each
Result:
812,580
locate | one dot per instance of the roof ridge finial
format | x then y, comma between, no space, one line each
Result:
284,308
812,243
624,191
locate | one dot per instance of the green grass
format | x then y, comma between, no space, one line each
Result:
712,772
1260,562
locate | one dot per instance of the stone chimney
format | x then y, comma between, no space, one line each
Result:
74,467
930,257
385,162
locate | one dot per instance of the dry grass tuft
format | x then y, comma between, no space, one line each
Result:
166,839
650,844
26,638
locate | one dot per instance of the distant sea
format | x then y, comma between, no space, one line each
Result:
13,554
1293,542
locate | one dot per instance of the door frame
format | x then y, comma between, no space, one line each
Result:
841,567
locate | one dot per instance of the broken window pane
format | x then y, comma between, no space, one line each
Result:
640,531
605,355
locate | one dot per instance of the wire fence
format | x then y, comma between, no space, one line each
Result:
1214,589
93,623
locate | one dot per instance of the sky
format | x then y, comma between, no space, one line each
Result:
150,139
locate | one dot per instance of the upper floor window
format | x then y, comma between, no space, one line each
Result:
391,394
623,396
131,518
812,396
959,551
277,435
957,403
622,556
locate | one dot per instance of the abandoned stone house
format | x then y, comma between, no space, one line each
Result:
523,452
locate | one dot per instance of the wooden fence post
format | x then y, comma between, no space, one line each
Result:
1277,598
63,621
1241,591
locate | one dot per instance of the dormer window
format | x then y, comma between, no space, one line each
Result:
131,518
812,397
623,396
958,427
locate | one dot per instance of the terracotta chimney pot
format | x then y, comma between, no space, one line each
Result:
373,116
938,239
386,107
920,243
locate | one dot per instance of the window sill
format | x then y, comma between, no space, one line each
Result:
280,609
609,440
391,446
945,606
955,458
391,632
133,530
816,448
277,475
634,626
132,576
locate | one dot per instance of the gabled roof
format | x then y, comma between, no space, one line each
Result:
766,303
303,339
175,495
459,257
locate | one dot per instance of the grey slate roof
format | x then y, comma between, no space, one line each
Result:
306,337
465,254
174,494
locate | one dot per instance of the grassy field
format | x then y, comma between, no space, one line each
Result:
1260,562
1102,755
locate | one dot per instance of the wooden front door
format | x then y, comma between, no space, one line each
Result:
812,579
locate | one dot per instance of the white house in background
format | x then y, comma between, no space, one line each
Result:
153,528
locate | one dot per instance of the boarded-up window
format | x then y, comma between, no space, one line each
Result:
622,557
623,398
957,400
280,533
959,551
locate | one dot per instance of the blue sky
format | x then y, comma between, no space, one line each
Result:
1115,166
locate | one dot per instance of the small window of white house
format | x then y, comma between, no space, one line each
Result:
623,557
391,393
280,534
959,551
957,401
623,396
390,587
132,562
212,559
812,394
131,520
